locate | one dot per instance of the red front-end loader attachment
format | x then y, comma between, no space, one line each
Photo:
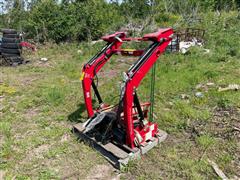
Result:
123,132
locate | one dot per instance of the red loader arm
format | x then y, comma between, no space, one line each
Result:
134,77
91,68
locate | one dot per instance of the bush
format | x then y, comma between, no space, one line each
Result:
67,20
83,20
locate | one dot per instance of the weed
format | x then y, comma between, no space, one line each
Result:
223,102
225,159
54,95
70,70
205,141
48,174
6,89
211,74
56,151
6,149
5,128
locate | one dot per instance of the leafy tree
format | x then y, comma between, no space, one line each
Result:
79,20
68,20
136,8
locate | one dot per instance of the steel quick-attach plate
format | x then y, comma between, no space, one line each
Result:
116,155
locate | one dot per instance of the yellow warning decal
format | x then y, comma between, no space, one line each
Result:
82,76
130,50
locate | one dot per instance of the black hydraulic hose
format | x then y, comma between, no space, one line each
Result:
94,86
96,92
152,90
144,57
95,70
108,45
100,101
137,64
120,103
137,104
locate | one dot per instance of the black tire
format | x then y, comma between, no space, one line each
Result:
10,55
11,51
9,31
16,59
11,45
10,35
10,40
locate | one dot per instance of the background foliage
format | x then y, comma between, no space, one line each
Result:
69,20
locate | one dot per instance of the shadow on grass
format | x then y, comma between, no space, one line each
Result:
76,116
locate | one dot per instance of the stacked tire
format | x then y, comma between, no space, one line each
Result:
10,47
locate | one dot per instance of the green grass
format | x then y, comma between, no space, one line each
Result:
41,101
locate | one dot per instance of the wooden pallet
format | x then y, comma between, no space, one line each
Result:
118,156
